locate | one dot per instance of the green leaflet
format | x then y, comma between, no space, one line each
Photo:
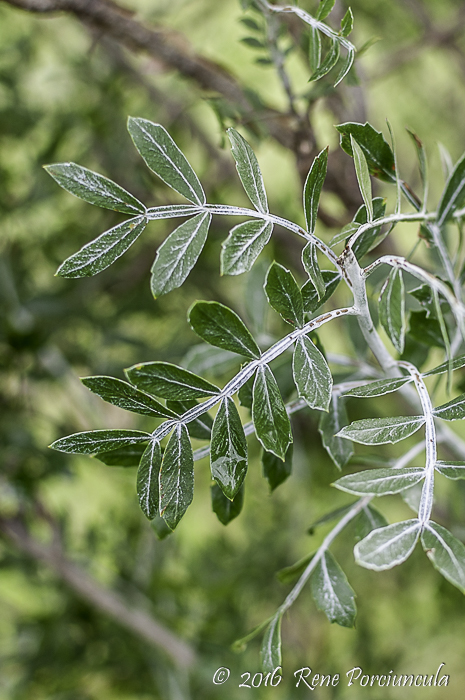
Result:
245,393
347,23
388,546
452,410
324,8
339,450
312,189
378,387
380,482
453,196
312,375
128,456
346,66
329,62
93,441
446,553
220,326
379,431
332,593
269,415
147,480
160,528
425,330
275,470
94,188
169,381
199,428
378,153
314,48
228,450
368,519
248,170
164,158
290,573
423,163
392,309
172,211
452,470
310,297
176,477
206,359
270,652
124,395
363,176
178,254
284,294
104,250
224,509
371,238
243,246
311,267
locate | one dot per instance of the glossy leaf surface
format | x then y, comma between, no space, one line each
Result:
224,509
284,294
452,410
126,396
222,327
176,477
271,421
93,441
169,381
275,470
147,480
380,481
228,450
378,153
312,375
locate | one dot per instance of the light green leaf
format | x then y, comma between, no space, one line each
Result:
380,482
147,480
347,23
453,196
164,158
379,431
249,170
243,246
312,189
311,374
339,450
378,387
270,653
324,9
388,546
284,294
124,395
446,553
104,250
178,254
363,176
378,153
222,327
129,456
310,294
199,428
368,519
93,441
314,48
94,188
224,509
458,363
269,415
275,470
228,451
452,470
392,309
169,381
176,477
329,62
452,410
332,593
311,267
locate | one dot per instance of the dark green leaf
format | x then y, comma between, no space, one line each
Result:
124,395
104,250
169,381
199,428
220,326
378,388
452,410
425,330
245,393
368,519
310,294
453,196
94,188
178,254
228,451
147,480
332,593
452,470
310,263
388,546
371,238
314,48
290,573
379,431
312,189
160,528
284,294
225,509
269,415
379,482
249,170
270,653
329,62
253,42
93,441
311,374
339,450
446,553
250,24
328,517
176,477
324,8
275,470
243,246
363,176
347,23
129,456
206,359
164,158
378,153
392,309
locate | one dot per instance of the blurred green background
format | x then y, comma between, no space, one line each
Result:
65,93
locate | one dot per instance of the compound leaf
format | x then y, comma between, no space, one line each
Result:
452,470
329,62
199,428
457,363
363,176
